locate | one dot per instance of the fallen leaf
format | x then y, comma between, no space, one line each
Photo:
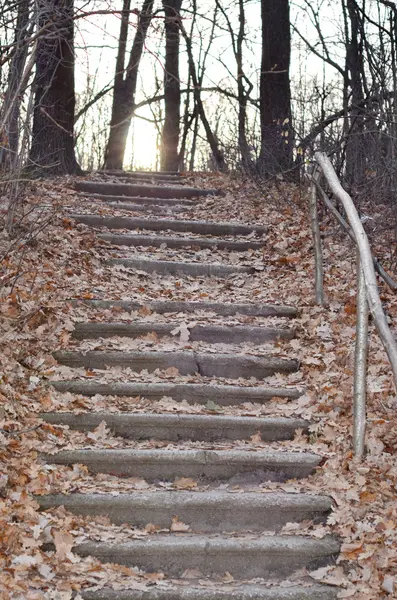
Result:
184,483
178,526
64,543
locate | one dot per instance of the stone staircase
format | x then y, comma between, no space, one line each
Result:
233,522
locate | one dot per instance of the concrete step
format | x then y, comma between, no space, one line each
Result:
177,427
205,512
230,366
165,464
232,591
267,556
143,200
146,175
148,208
165,202
173,306
184,226
212,334
170,267
193,393
154,191
179,242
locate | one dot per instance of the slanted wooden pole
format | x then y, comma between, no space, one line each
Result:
360,365
367,262
318,255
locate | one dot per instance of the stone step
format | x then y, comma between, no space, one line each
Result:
200,227
192,393
230,366
143,200
209,428
174,306
266,556
166,464
173,267
154,191
147,208
225,334
232,591
178,242
149,176
204,512
213,334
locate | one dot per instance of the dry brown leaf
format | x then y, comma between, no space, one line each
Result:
184,483
64,543
178,526
256,438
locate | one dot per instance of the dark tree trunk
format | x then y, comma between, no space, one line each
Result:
194,143
125,83
217,155
172,88
52,148
15,91
243,95
242,81
275,93
355,143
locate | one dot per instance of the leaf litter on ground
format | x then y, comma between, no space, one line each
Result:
36,317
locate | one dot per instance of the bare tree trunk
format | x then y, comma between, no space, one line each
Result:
125,83
194,143
242,93
13,96
217,154
275,94
355,143
52,148
172,88
187,123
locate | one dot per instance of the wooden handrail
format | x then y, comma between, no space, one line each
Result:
368,298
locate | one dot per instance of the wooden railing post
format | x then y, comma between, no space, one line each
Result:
318,254
368,298
367,262
360,365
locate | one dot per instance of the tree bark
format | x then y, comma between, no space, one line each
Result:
275,93
242,93
172,89
14,93
52,147
355,143
125,82
217,154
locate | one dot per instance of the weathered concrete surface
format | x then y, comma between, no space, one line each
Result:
146,175
204,512
166,464
232,592
154,191
177,427
184,226
173,306
267,556
148,208
222,395
143,200
209,365
213,334
178,242
170,267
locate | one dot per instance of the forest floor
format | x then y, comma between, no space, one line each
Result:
52,260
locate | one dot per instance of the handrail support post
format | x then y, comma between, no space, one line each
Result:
318,258
360,365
